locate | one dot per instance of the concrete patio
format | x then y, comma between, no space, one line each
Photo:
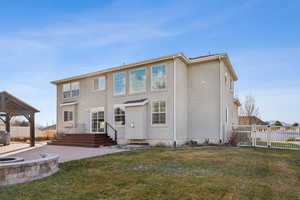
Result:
17,147
66,153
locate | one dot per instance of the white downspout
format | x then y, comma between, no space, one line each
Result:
221,100
174,103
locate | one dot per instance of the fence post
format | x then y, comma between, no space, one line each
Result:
253,134
268,137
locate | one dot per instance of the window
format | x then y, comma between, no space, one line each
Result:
99,83
71,90
231,84
158,112
75,89
67,90
225,78
137,81
158,77
119,114
98,124
68,116
119,83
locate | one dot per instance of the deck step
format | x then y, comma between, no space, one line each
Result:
85,140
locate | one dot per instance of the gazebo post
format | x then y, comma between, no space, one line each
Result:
32,130
7,123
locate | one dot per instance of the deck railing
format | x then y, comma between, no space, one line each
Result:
109,126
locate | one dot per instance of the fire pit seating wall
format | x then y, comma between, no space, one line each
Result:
21,172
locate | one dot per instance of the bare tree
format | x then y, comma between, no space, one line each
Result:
249,107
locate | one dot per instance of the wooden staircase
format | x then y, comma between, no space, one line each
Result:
84,140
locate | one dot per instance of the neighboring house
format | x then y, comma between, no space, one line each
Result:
167,100
236,105
250,120
49,128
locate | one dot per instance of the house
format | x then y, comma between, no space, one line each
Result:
167,100
250,120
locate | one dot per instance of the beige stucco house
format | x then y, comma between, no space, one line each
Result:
166,100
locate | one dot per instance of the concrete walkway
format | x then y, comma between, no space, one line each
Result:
67,153
18,147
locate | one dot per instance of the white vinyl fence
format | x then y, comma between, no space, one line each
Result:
268,136
22,132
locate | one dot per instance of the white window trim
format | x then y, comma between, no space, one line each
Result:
129,81
69,121
151,84
70,83
159,125
93,110
99,89
114,87
115,106
63,90
72,89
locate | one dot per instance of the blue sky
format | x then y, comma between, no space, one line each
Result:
41,41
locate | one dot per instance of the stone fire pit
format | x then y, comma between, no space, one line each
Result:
16,170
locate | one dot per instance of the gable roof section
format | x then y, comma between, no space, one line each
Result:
155,60
8,101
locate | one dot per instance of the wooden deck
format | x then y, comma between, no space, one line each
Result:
84,140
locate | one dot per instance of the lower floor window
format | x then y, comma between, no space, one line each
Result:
68,116
158,112
119,114
98,124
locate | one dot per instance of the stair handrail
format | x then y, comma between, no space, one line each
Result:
108,125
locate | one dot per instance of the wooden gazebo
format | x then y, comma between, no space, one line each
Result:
11,106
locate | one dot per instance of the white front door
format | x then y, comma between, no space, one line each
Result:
97,120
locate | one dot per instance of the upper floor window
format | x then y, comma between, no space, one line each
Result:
71,90
99,83
119,115
119,83
231,84
158,77
225,78
137,80
158,112
68,116
67,90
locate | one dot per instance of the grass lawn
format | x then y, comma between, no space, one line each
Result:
213,173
